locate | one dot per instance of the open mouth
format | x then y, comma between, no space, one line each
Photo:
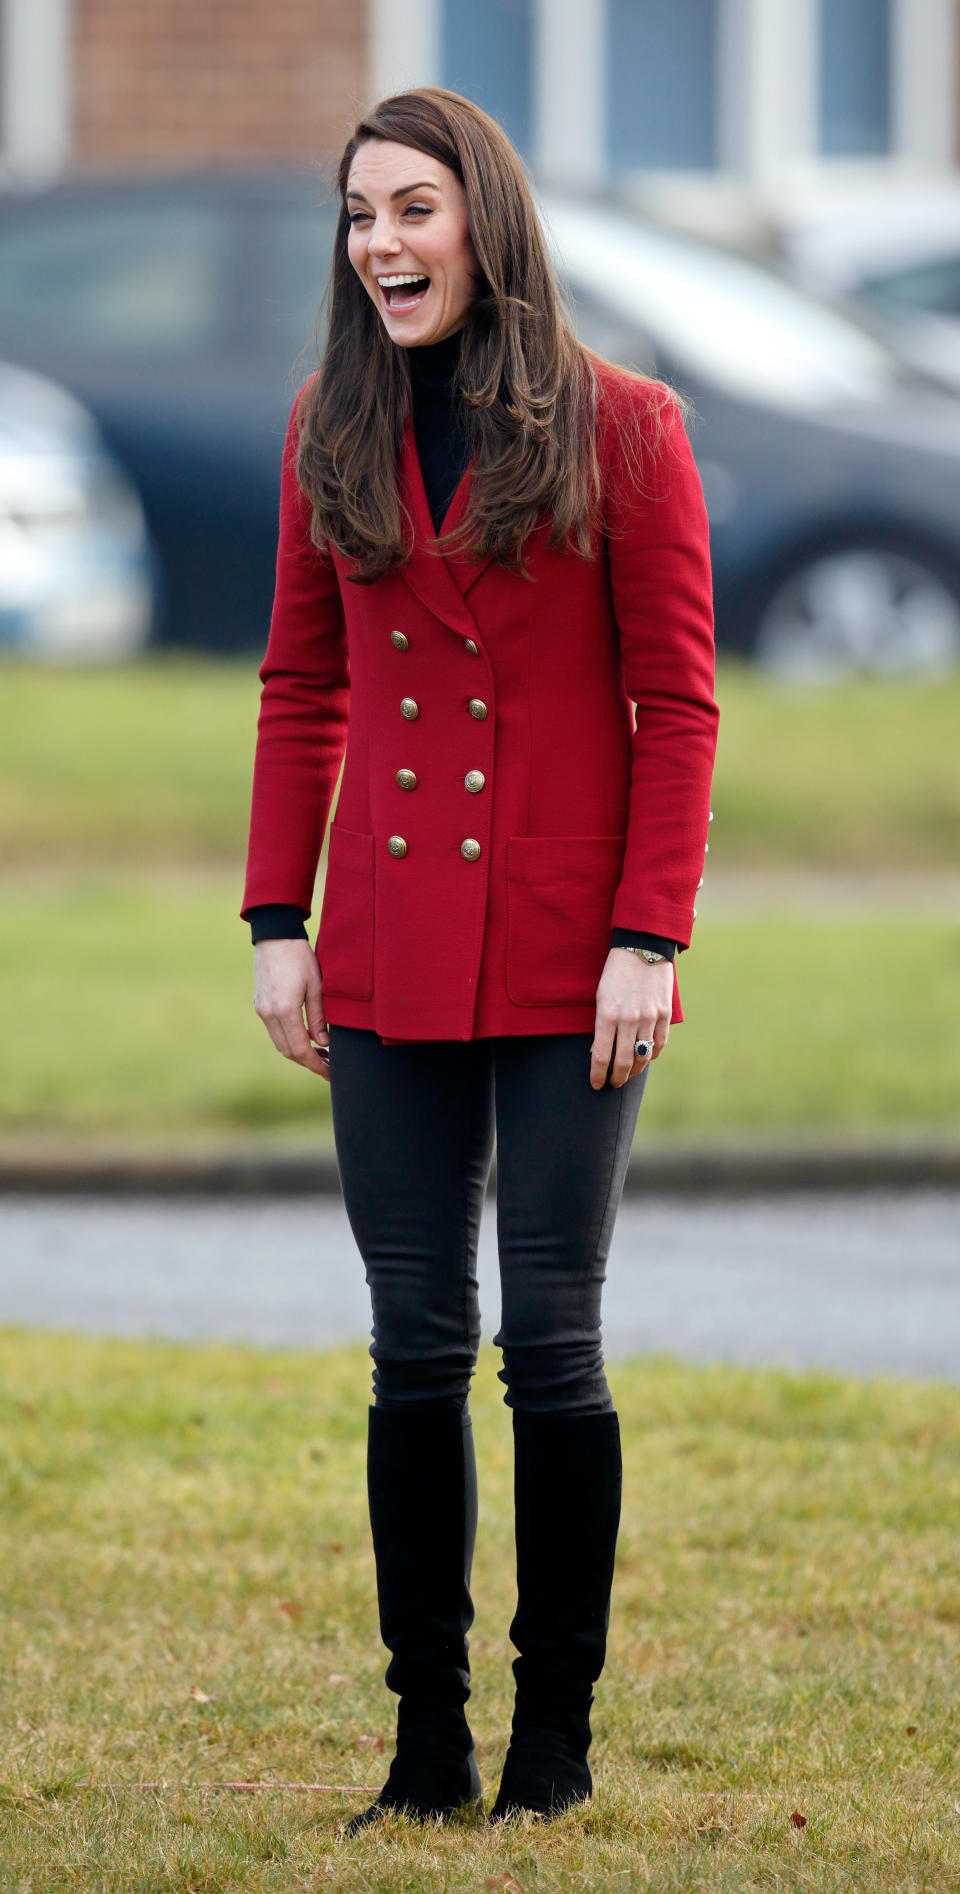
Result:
403,292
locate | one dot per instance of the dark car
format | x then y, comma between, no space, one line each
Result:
180,311
831,469
176,309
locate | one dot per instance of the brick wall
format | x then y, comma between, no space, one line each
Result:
179,81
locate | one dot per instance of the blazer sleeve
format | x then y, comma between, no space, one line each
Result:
659,560
304,706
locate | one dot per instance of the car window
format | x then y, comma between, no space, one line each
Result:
296,246
934,286
721,318
121,278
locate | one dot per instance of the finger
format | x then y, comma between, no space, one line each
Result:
661,1034
603,1037
277,1035
300,1049
625,1060
316,1021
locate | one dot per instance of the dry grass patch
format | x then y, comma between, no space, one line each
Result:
188,1600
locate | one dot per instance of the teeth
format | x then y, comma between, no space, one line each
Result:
394,282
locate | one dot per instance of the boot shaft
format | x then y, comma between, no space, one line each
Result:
421,1484
568,1475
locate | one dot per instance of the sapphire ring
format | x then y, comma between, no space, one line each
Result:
643,1048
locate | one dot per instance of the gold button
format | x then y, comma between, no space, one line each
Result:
406,779
470,850
474,781
711,815
410,708
477,708
472,648
397,846
402,643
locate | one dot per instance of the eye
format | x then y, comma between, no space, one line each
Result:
419,210
356,215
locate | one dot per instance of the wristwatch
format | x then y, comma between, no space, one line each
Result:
649,956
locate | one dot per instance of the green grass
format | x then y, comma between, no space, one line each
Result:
126,974
785,1633
151,763
125,1007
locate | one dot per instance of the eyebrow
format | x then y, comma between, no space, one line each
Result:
426,184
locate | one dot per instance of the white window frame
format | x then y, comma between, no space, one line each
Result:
35,106
405,45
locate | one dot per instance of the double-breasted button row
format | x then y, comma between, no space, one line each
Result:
469,848
474,779
402,643
410,709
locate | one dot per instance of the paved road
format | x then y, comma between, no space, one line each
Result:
866,1283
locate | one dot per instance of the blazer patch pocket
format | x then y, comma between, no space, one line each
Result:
345,939
560,892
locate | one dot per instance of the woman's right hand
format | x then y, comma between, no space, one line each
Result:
286,983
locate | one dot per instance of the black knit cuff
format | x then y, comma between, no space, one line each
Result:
277,921
627,937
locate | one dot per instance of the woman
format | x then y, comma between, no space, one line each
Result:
511,870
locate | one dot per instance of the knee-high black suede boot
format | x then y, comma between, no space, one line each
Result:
567,1485
421,1480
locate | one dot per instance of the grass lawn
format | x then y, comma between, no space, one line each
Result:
125,1008
151,762
125,975
188,1594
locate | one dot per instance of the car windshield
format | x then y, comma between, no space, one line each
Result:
724,320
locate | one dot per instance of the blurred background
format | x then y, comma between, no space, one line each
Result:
758,200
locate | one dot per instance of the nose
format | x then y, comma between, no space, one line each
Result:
383,239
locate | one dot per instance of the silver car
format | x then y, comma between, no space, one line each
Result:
76,568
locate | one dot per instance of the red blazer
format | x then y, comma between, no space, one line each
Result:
500,807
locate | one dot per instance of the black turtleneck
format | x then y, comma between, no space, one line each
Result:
440,432
438,422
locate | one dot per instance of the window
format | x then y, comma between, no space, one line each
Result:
661,83
114,278
487,55
854,78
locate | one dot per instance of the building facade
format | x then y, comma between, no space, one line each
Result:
713,112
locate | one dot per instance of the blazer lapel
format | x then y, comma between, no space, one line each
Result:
440,581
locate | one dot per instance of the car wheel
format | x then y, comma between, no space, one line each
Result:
862,609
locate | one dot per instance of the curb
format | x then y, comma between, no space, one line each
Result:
731,1169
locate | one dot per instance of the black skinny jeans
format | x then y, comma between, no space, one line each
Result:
414,1128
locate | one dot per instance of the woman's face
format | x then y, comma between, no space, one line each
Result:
408,219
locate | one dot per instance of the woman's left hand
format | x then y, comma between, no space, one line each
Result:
634,1001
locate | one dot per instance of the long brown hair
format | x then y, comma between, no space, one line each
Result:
528,385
